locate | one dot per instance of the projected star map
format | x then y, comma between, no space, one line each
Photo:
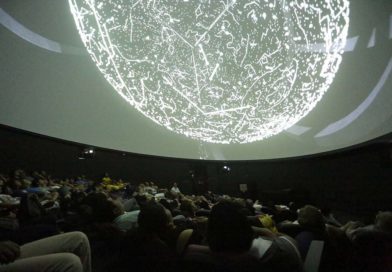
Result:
217,71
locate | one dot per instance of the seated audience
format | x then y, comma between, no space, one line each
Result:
372,244
336,252
235,246
175,189
129,231
68,252
144,248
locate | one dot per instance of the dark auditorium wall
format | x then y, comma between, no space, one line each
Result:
357,180
32,152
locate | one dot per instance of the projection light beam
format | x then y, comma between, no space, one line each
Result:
217,71
355,114
23,32
390,26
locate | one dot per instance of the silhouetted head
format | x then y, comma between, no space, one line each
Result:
311,218
383,222
153,218
228,229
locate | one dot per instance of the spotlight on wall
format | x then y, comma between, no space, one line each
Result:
226,169
85,153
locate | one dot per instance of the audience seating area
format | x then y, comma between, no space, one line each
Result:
78,224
